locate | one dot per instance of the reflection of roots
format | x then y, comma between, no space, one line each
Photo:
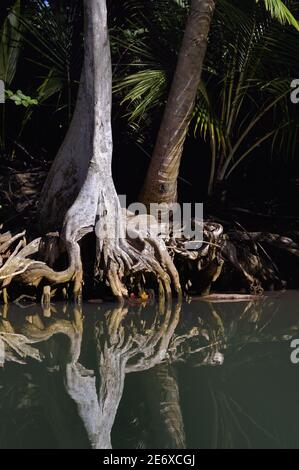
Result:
141,343
130,343
124,344
18,337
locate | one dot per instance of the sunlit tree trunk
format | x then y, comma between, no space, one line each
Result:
79,187
79,195
161,181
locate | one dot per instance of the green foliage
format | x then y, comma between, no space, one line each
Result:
20,99
10,45
243,100
280,12
47,38
145,89
51,32
248,91
145,50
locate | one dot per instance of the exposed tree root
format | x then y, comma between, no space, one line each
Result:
117,260
136,255
199,269
79,197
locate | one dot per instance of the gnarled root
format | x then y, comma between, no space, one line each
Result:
133,251
124,258
120,256
199,268
19,263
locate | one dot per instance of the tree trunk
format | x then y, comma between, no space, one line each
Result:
79,195
167,425
161,181
79,187
83,162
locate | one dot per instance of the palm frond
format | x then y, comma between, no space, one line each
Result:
145,91
242,101
52,34
280,12
10,44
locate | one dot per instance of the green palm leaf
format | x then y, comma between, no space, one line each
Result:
10,45
280,11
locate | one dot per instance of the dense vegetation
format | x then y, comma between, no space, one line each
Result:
239,156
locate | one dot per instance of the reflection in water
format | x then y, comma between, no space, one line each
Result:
66,368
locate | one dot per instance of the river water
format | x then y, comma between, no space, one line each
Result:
198,375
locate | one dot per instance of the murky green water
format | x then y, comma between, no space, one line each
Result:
203,375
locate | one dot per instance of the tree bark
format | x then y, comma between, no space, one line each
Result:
79,186
161,181
79,195
85,155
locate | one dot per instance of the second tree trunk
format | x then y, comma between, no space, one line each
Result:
161,181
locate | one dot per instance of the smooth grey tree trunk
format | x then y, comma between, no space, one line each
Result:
83,163
79,195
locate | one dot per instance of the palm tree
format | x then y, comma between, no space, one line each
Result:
146,87
79,195
245,101
161,181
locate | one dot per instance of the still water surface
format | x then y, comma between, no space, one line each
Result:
200,375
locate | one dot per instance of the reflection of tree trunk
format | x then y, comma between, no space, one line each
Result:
82,389
126,344
112,380
164,403
126,348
